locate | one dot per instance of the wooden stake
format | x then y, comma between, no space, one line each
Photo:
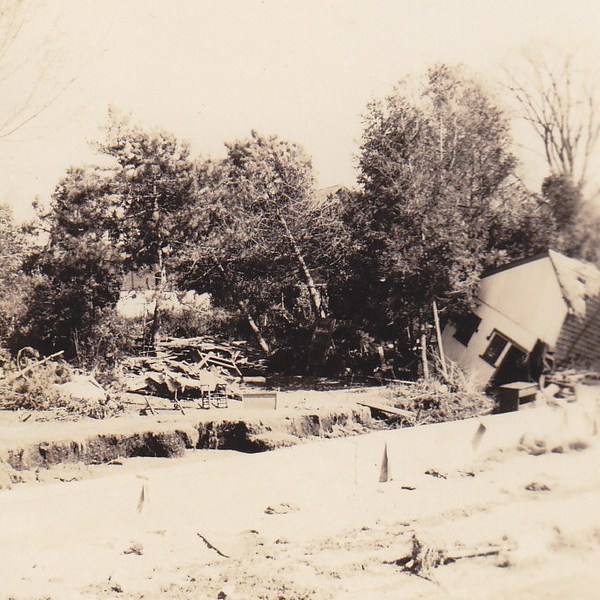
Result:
148,405
384,474
424,356
438,335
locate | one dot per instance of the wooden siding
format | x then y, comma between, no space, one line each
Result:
580,337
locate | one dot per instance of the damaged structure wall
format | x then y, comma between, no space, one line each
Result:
547,299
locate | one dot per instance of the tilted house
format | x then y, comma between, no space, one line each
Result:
548,302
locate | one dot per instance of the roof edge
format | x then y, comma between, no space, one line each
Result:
516,263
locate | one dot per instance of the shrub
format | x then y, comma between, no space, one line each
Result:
36,391
105,342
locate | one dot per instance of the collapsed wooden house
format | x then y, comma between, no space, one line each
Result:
547,303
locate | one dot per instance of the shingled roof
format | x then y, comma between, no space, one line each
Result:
580,334
579,281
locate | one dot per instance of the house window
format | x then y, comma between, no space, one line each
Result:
495,348
466,326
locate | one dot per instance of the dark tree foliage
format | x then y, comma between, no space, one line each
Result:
522,225
77,283
564,198
577,220
150,182
435,170
103,221
83,206
248,239
77,275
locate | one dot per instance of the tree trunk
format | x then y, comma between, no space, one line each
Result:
161,283
438,335
264,346
158,294
424,357
310,282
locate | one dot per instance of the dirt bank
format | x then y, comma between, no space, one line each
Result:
27,447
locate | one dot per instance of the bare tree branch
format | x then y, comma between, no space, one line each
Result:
30,82
555,97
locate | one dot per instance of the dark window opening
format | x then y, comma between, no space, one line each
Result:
495,348
466,326
513,367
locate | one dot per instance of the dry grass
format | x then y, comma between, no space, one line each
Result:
449,394
449,397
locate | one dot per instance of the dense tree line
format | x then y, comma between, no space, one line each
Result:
438,202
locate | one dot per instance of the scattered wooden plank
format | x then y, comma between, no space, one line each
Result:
149,406
392,410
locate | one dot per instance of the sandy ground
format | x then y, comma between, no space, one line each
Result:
313,521
20,427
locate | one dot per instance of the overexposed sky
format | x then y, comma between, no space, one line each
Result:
210,71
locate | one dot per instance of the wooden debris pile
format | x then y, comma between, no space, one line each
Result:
192,368
561,384
236,358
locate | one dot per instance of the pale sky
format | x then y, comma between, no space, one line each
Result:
210,71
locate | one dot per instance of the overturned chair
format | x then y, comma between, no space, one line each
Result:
206,388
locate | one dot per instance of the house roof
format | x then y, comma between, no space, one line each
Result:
578,281
512,264
324,195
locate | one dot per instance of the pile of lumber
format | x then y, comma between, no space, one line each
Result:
192,368
236,358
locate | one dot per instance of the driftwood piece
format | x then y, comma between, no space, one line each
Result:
210,546
424,558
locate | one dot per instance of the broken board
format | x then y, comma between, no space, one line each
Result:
259,400
391,410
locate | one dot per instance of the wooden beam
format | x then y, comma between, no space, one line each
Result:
392,410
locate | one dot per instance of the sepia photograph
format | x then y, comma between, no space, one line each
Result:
299,299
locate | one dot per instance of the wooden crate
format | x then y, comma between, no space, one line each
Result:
512,395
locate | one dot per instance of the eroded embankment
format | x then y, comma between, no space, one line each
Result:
253,434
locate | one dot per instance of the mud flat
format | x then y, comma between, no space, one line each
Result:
511,511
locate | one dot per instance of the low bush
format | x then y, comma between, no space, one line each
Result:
450,397
36,390
106,342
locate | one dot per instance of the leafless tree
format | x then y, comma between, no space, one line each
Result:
29,60
558,98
